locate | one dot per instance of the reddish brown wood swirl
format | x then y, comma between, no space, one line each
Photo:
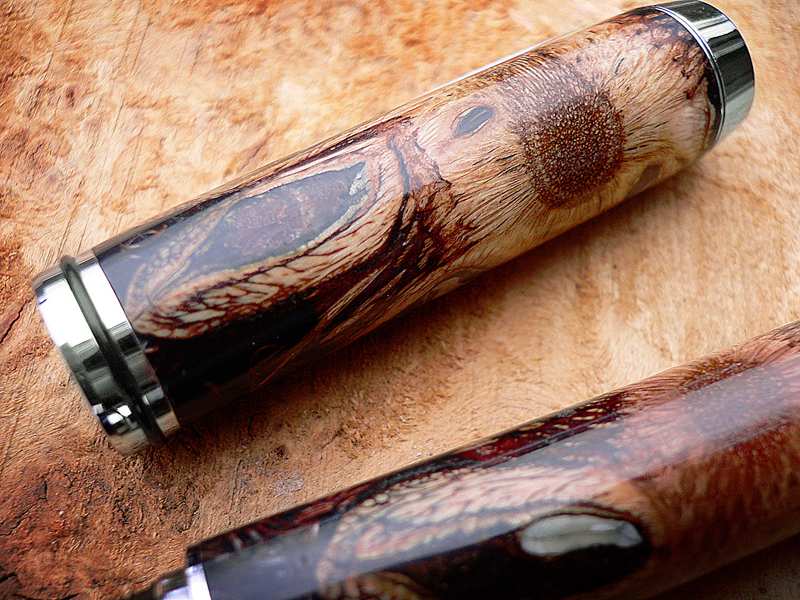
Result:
315,250
628,494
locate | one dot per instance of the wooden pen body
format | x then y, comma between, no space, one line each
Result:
315,250
624,496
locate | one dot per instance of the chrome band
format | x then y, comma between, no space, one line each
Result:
728,54
197,583
184,584
90,328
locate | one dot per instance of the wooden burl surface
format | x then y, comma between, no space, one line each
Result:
111,112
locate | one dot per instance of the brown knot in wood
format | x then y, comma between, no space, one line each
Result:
574,149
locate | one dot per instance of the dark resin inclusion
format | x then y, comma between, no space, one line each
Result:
623,496
311,252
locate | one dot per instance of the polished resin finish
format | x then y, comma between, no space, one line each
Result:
626,495
315,250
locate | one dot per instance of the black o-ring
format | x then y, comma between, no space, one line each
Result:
112,352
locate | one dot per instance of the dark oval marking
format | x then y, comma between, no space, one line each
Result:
473,120
561,534
252,229
281,220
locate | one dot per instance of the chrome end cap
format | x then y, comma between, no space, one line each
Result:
89,327
728,54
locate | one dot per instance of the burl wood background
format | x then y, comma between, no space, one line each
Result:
113,111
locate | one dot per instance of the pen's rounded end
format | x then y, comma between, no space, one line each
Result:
727,53
89,327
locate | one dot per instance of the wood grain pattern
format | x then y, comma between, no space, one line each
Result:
314,251
626,495
113,112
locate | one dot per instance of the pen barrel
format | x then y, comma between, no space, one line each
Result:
623,496
313,251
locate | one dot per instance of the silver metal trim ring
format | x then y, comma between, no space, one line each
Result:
89,327
728,54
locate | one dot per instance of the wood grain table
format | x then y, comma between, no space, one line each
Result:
113,111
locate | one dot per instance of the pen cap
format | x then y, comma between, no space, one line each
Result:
166,322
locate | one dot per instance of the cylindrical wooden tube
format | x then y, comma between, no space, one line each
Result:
313,251
624,496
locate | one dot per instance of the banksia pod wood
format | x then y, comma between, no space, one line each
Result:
217,297
623,496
